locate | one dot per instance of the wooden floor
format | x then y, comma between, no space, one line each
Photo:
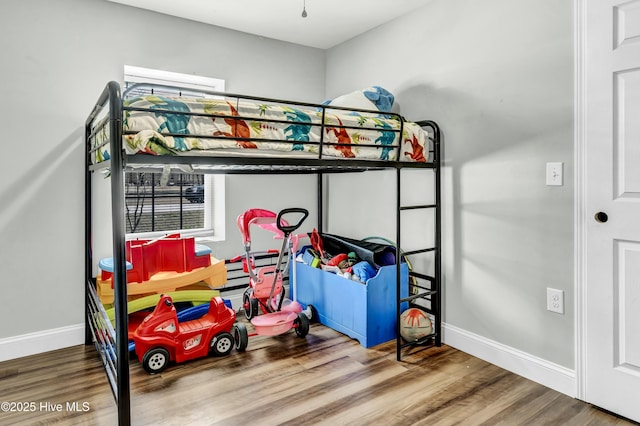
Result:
325,379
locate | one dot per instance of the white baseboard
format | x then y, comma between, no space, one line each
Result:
546,373
41,341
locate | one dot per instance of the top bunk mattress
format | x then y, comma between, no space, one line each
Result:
181,126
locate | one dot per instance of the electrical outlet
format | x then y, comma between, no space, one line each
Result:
555,300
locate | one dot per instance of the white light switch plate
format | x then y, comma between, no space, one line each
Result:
554,174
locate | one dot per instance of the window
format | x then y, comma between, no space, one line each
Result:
158,203
134,75
153,205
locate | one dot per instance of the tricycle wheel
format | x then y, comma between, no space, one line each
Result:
245,305
155,360
241,336
254,307
314,314
222,344
302,325
250,306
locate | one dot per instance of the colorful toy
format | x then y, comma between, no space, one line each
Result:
265,293
137,309
161,338
185,314
162,265
415,324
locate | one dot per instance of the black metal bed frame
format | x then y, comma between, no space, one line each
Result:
112,344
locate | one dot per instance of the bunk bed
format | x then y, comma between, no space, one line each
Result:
237,134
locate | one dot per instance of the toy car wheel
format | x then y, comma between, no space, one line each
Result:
240,336
302,325
222,344
155,360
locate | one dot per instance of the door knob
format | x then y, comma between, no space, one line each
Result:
601,217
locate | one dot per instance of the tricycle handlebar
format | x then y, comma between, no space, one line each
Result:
288,229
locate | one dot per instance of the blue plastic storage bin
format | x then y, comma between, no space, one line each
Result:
366,312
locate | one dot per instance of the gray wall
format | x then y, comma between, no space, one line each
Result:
497,75
57,57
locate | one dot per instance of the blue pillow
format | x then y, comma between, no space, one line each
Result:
363,270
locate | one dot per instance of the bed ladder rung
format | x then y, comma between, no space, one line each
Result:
426,250
420,295
422,276
420,206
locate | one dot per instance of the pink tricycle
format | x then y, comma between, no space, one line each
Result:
160,338
264,300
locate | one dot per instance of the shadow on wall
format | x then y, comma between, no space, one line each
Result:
493,193
22,193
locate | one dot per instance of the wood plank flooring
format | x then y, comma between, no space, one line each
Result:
324,379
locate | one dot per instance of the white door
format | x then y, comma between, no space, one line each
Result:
612,205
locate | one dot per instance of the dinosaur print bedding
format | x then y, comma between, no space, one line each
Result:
162,125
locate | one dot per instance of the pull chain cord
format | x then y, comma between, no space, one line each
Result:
304,8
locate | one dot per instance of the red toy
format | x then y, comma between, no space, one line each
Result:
161,338
162,265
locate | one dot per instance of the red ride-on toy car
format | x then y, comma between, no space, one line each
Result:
160,338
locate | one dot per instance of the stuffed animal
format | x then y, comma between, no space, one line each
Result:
343,261
335,260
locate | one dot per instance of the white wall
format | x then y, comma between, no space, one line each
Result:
57,58
497,75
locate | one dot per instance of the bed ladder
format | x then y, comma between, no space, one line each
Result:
424,289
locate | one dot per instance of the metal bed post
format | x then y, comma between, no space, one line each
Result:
438,233
398,263
97,328
320,177
119,256
88,252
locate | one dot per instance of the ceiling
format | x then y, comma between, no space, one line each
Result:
328,22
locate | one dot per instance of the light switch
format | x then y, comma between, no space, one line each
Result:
554,174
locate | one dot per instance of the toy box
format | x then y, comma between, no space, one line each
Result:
366,312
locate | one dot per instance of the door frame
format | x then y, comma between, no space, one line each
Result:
580,213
